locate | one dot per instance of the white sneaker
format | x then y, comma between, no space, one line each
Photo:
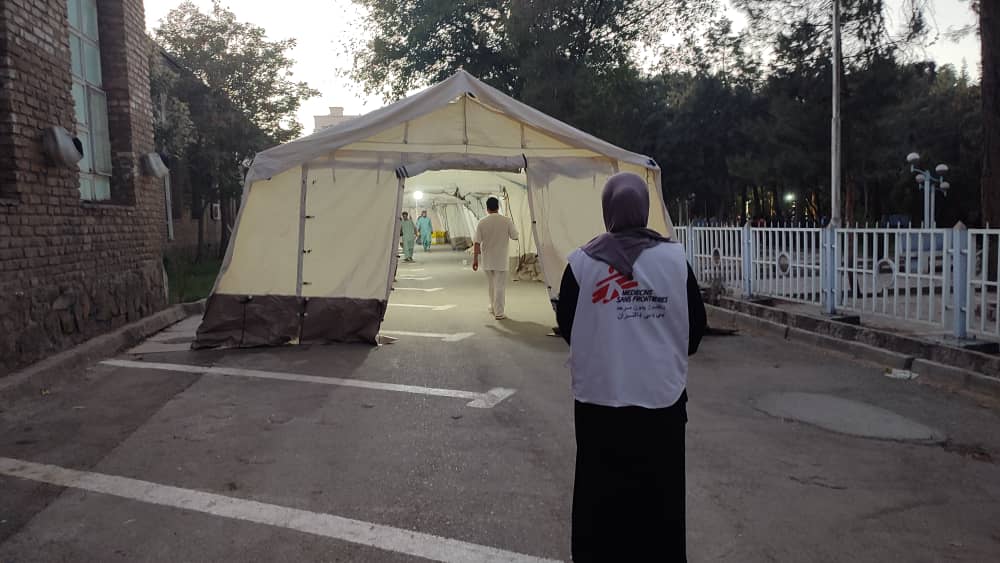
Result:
500,317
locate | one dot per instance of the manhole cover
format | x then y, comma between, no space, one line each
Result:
847,417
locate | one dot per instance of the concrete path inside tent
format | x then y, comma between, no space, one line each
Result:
456,443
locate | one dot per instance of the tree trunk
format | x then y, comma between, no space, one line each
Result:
201,235
866,195
989,29
226,223
849,200
204,201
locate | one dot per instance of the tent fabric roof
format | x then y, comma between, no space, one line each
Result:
295,153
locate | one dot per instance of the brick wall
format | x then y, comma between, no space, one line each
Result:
71,270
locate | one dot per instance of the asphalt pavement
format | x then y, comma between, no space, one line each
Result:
455,443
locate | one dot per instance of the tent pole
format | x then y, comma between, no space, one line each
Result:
534,227
302,230
398,223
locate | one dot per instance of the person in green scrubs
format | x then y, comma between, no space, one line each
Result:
426,230
409,233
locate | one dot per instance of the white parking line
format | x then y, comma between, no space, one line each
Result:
431,307
425,290
387,538
456,337
487,400
415,278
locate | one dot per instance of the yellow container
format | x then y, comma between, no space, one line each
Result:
439,237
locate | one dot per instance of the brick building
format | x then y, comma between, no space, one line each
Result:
80,246
335,117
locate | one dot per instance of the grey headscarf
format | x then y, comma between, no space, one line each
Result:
626,212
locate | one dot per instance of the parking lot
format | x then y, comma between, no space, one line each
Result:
455,443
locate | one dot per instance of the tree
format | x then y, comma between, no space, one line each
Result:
739,134
238,60
205,137
556,55
989,30
866,26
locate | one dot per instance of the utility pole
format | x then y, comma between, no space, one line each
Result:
835,167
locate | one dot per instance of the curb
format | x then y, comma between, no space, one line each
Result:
49,371
861,351
939,352
937,374
956,379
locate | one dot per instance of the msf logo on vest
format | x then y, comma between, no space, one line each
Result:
611,288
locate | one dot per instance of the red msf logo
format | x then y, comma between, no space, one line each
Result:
611,287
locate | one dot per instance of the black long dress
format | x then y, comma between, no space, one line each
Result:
628,495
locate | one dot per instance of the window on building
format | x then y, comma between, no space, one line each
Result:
90,101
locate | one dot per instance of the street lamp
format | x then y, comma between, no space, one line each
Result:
790,200
418,196
925,181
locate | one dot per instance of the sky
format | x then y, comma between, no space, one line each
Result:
322,27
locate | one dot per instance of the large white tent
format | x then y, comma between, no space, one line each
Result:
313,252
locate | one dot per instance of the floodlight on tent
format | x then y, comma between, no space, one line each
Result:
418,195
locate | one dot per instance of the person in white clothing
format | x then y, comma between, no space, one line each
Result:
492,242
630,309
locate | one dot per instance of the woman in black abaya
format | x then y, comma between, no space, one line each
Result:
629,369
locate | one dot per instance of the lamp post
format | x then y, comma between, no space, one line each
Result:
835,136
926,181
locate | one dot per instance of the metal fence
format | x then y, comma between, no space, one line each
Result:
901,273
948,278
980,298
787,263
716,256
680,234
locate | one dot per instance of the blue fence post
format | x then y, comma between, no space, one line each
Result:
828,271
746,247
960,278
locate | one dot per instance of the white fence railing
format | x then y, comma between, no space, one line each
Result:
716,256
901,273
680,234
983,257
787,263
948,278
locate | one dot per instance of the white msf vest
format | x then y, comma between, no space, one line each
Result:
630,336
